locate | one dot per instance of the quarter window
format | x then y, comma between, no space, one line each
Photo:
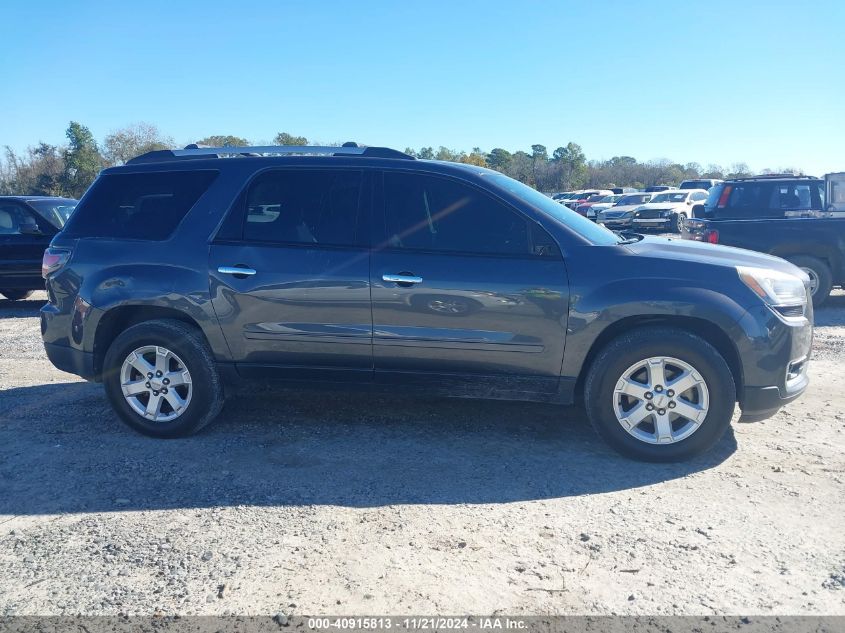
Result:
313,206
438,214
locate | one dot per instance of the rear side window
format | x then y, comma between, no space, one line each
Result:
141,206
304,206
742,200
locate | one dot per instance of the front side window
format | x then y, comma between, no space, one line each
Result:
304,206
438,214
56,212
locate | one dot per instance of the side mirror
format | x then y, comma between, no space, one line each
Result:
29,229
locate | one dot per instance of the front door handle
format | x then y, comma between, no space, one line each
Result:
239,270
402,280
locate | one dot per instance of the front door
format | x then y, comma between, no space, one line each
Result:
465,289
291,287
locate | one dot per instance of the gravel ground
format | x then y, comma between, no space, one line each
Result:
304,504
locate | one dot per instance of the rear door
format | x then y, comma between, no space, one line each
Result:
23,238
464,288
291,287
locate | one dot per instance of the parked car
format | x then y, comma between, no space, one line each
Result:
591,207
668,210
27,224
699,183
583,196
598,199
186,271
780,215
621,215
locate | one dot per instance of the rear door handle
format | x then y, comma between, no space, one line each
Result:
236,270
402,279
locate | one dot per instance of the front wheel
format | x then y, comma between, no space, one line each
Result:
660,394
679,222
161,379
16,295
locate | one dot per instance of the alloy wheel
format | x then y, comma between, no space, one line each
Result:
156,383
661,400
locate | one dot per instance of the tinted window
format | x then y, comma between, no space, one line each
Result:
588,229
638,198
437,214
13,217
313,206
144,206
791,197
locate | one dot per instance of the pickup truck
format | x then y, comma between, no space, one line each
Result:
798,218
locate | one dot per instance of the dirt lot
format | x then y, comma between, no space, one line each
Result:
308,504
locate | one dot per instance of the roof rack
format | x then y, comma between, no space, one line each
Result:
764,176
198,151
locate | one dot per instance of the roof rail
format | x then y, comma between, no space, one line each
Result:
764,176
199,151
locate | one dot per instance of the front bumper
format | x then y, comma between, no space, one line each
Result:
616,224
775,357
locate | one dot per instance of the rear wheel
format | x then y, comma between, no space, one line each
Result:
16,295
821,279
660,394
161,379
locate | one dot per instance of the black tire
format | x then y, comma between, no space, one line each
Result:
637,345
190,346
821,271
679,221
16,295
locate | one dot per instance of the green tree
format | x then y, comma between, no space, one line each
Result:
82,160
426,153
572,164
131,141
499,159
475,157
223,140
283,138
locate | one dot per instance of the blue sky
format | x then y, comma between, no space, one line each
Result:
716,81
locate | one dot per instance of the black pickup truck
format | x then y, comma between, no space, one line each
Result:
797,218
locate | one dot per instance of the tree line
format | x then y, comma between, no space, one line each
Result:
68,170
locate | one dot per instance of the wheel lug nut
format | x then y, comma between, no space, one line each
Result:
661,411
648,395
658,389
166,381
671,405
649,407
155,393
670,393
164,390
147,385
158,373
150,375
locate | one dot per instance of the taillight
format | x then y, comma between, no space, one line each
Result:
53,259
713,236
723,199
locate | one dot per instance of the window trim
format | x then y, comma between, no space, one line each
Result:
380,243
236,214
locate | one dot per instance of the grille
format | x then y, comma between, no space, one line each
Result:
650,214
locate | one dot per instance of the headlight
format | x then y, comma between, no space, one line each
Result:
774,287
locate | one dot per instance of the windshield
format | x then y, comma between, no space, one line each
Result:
675,196
56,211
637,198
595,233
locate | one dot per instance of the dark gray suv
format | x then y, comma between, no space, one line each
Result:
186,270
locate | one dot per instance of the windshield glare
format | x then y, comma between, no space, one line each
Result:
595,233
675,196
633,199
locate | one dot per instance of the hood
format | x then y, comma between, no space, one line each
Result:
711,254
626,207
